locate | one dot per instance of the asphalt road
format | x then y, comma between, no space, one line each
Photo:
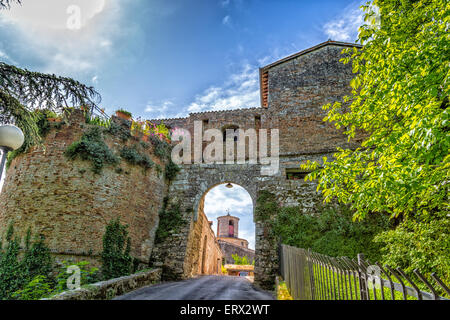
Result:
202,288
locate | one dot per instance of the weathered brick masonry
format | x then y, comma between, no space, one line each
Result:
49,193
297,87
70,205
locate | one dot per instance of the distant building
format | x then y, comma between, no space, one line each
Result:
229,241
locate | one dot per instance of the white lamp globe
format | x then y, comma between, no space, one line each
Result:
11,136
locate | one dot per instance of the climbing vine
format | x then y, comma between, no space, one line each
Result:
116,258
171,170
170,219
92,147
17,269
133,156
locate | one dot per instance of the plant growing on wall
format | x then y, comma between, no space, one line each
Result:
93,148
241,260
16,272
116,258
133,156
171,170
170,220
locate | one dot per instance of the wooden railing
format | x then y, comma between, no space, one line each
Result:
313,276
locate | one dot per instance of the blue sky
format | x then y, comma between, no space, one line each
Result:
166,58
238,203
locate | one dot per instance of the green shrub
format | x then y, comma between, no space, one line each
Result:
241,260
93,148
169,221
119,131
36,289
266,205
116,259
421,244
87,275
15,273
332,232
132,156
171,170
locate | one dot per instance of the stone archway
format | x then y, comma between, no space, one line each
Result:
179,255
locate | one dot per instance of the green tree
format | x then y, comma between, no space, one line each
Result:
23,91
16,271
399,105
116,259
243,261
399,102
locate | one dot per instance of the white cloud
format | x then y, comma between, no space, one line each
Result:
5,57
225,3
345,27
226,20
41,33
238,202
241,90
162,110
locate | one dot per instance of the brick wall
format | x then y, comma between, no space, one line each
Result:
70,205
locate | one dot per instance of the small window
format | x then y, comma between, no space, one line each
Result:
230,127
257,122
295,174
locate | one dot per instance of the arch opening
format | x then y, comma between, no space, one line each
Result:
227,231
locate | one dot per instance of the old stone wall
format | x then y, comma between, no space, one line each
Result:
229,249
107,290
298,87
206,260
71,205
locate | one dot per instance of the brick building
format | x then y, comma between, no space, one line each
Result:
71,205
229,241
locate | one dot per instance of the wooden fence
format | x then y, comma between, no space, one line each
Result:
313,276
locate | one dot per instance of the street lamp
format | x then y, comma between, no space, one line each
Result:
11,138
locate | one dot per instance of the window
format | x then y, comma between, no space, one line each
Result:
257,122
295,174
231,228
230,127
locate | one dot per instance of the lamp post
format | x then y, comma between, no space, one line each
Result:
11,138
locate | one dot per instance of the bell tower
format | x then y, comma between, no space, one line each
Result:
228,226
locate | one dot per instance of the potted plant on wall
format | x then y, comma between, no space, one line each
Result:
52,116
123,114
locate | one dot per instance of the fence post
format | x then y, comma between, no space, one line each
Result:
362,279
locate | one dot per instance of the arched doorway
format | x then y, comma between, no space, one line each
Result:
224,227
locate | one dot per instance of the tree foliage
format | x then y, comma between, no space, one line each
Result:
331,232
6,4
16,270
242,261
116,259
22,91
399,101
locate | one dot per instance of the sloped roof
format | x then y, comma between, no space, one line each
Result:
263,80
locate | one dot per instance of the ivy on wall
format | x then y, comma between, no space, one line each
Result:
332,231
116,258
170,219
19,265
134,157
93,148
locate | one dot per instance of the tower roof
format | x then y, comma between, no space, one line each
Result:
228,216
